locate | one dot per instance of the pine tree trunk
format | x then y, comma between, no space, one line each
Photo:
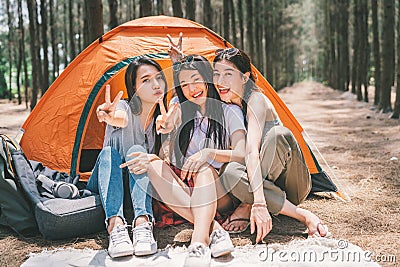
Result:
10,45
396,111
113,10
177,8
365,48
94,9
387,56
34,60
38,49
80,30
160,7
146,8
355,49
22,47
249,28
71,30
65,35
241,24
45,44
54,48
207,11
191,9
21,52
225,18
268,40
345,44
233,22
258,37
376,51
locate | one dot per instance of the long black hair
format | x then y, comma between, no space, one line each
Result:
134,101
242,62
215,130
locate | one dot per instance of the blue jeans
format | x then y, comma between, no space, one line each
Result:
106,180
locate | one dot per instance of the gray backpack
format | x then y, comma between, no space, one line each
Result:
15,211
29,204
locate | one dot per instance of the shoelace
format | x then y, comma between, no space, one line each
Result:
142,234
218,236
119,236
196,250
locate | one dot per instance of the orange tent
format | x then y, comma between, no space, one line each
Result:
62,131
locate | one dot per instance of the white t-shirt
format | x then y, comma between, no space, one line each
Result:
233,121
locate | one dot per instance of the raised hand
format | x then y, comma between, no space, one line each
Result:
165,122
105,112
175,50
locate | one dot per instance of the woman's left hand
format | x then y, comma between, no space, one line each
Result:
194,162
137,165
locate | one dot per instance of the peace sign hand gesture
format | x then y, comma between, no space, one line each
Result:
106,111
175,50
165,122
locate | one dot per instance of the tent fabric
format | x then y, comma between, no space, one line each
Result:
63,125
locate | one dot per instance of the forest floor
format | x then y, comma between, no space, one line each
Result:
361,147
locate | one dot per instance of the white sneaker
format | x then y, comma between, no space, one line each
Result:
120,244
143,239
199,255
220,243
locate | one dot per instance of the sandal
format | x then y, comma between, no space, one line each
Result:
238,220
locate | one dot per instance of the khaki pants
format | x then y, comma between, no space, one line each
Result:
283,168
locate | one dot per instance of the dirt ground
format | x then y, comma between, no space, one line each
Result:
360,146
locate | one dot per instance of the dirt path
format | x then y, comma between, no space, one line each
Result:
357,143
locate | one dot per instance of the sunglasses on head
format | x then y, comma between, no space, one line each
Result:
227,52
178,65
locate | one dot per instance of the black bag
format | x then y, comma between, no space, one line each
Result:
59,218
15,210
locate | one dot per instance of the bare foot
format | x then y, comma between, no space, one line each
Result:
239,219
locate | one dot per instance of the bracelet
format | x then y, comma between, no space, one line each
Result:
259,205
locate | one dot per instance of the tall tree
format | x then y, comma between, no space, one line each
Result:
80,30
32,11
21,30
54,48
268,40
343,49
191,9
10,45
207,11
258,60
249,28
45,45
241,24
65,34
71,24
396,111
177,8
146,8
225,19
387,55
356,37
233,22
113,10
160,7
94,14
365,48
376,51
